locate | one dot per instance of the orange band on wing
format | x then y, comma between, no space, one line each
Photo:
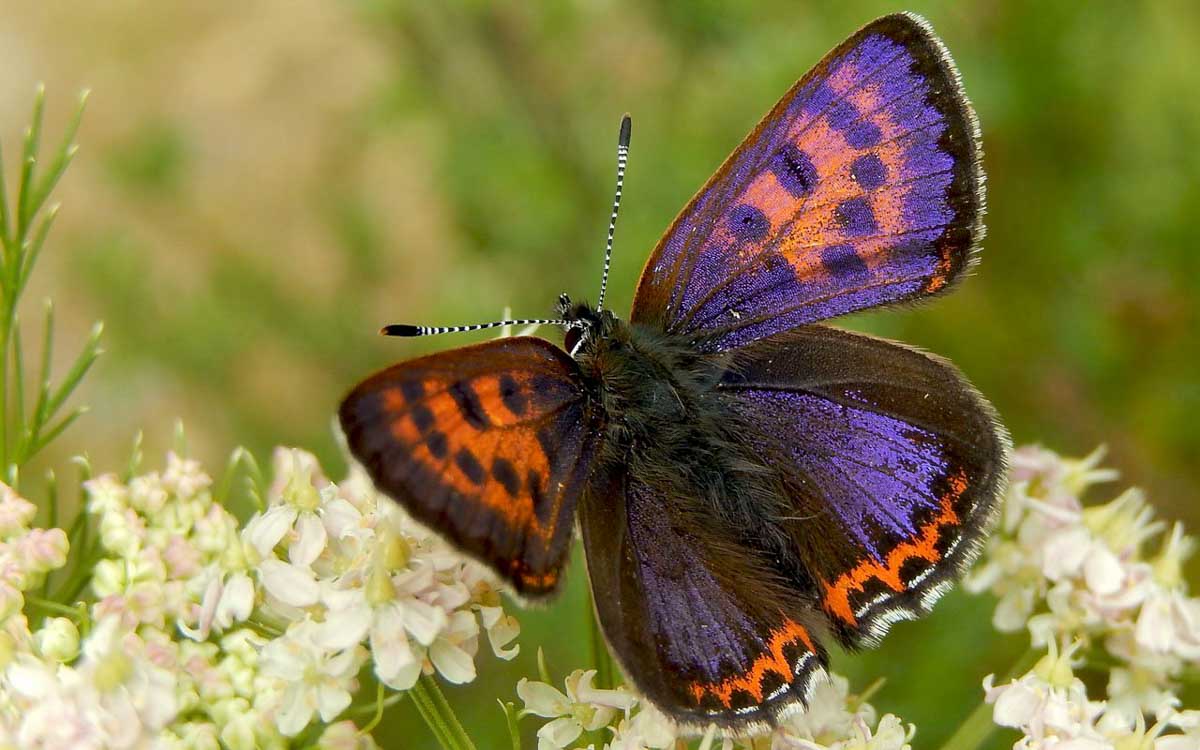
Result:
924,547
773,661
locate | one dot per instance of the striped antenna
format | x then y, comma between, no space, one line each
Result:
622,158
402,329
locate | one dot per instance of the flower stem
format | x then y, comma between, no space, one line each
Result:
600,656
426,689
978,725
51,606
462,739
437,727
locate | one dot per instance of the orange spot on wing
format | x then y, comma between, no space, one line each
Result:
772,662
924,547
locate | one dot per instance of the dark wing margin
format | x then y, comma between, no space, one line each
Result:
893,462
708,632
862,187
490,445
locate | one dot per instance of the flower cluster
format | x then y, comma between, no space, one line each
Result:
1098,587
199,632
618,720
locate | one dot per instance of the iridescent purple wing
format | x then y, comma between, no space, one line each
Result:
892,461
862,187
708,632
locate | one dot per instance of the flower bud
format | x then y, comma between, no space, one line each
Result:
108,577
344,736
11,601
16,513
58,640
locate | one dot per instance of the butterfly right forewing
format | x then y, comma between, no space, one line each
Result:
489,444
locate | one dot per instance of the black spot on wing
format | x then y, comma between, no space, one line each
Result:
869,171
510,394
469,465
413,390
748,223
435,440
794,170
504,473
842,261
542,503
421,417
855,217
467,400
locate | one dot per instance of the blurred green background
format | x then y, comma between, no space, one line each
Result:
263,184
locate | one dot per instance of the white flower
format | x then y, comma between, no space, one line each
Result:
1049,704
648,729
228,599
317,681
571,714
453,652
830,718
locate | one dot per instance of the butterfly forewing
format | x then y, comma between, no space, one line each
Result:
892,460
711,633
488,444
862,187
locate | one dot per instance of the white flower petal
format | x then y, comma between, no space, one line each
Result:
288,583
265,531
295,713
423,620
542,699
310,540
331,701
1015,705
455,664
559,733
344,628
1102,571
237,600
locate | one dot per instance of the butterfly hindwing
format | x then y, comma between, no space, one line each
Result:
862,187
488,444
892,461
706,629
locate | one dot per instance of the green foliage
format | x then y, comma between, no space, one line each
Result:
28,427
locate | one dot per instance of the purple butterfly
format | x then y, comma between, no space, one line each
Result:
747,481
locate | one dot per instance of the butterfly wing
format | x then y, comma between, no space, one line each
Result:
862,187
487,444
892,460
708,632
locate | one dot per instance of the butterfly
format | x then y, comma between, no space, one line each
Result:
748,482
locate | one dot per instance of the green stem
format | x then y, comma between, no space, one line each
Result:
459,733
978,725
425,707
600,656
378,713
56,607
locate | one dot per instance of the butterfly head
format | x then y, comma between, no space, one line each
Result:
583,324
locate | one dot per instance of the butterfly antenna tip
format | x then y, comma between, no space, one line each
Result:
400,329
622,159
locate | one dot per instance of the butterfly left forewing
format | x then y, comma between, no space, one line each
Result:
488,444
890,461
709,632
861,187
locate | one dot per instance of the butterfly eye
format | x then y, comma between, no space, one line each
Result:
572,337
